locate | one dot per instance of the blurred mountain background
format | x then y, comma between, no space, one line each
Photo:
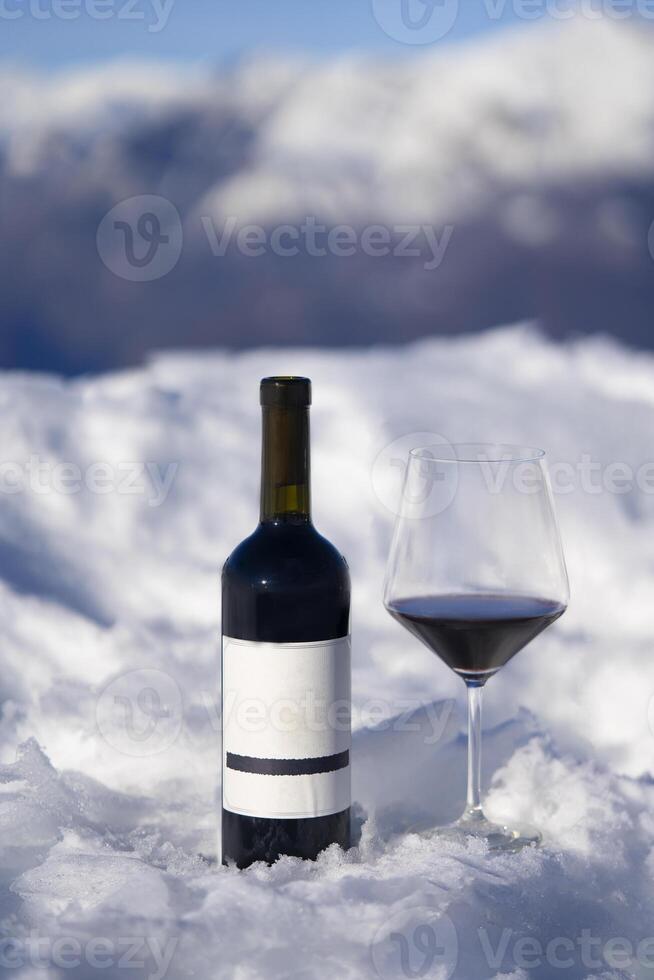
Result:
508,177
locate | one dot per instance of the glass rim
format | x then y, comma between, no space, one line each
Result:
487,452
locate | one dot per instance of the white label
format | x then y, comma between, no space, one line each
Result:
286,728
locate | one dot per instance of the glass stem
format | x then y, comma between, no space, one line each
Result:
473,804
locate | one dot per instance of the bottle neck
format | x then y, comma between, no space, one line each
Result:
285,465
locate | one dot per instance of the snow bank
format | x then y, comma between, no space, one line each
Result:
109,646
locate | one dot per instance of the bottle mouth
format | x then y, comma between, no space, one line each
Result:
285,391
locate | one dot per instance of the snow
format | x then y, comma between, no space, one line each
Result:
109,639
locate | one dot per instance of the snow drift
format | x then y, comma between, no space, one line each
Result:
109,642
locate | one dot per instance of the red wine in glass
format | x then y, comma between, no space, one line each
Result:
475,635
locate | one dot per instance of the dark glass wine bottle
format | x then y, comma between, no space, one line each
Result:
285,660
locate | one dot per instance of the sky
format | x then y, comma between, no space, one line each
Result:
54,33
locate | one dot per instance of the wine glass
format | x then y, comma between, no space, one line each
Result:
476,571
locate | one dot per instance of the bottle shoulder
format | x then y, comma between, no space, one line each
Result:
285,584
277,549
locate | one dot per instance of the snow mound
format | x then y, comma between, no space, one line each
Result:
109,645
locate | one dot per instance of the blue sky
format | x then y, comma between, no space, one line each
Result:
53,33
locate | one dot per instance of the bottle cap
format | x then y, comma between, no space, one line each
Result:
285,392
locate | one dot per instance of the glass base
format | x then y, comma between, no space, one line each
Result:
498,837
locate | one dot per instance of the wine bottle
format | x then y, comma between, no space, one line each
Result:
285,660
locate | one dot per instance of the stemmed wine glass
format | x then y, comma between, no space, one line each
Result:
476,571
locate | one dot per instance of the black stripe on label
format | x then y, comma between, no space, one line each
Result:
288,767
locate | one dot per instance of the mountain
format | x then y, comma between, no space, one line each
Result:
509,177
